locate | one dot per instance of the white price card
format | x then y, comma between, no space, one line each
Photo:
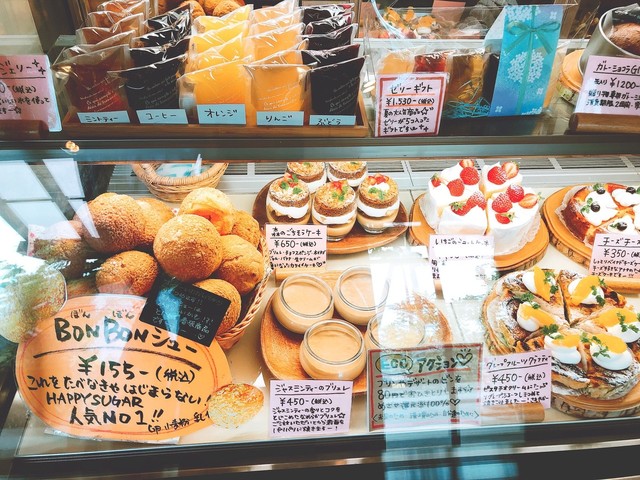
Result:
615,255
611,85
409,104
517,378
165,116
297,246
304,408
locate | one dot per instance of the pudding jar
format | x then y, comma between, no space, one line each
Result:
301,301
333,350
357,297
395,330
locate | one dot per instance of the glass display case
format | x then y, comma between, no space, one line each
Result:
48,180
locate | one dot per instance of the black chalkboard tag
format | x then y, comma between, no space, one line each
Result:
184,309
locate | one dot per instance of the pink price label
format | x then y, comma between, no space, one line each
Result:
26,90
409,104
611,85
517,378
306,408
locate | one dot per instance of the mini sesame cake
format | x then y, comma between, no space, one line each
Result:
377,202
334,205
288,201
352,172
311,173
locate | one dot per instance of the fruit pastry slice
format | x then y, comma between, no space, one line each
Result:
623,323
586,295
541,283
599,366
513,317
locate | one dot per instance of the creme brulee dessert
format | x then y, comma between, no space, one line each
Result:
357,298
301,301
333,350
395,330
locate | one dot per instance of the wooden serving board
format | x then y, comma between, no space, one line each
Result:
281,348
356,241
575,249
420,231
581,406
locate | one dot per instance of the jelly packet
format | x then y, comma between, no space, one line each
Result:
282,21
147,55
153,86
94,35
322,58
265,44
86,83
269,13
123,38
328,25
338,38
335,88
314,13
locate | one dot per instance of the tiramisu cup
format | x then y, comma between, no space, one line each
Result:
352,172
288,201
334,205
378,203
311,173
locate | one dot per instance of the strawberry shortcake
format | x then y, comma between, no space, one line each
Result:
461,200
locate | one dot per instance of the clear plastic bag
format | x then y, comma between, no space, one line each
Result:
337,38
93,35
87,84
282,21
266,44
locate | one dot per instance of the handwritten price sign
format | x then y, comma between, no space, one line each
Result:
409,104
615,255
97,371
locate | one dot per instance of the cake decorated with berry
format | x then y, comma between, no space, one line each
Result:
462,200
587,210
378,203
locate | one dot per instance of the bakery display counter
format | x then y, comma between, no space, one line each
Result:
511,438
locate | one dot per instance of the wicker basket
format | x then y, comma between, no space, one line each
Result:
172,189
250,304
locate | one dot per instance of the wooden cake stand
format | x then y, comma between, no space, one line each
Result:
568,244
357,240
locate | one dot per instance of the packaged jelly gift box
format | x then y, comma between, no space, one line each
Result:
499,61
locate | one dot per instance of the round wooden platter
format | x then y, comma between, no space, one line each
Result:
568,244
281,348
356,241
581,406
420,231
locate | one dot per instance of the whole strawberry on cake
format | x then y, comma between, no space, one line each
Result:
463,200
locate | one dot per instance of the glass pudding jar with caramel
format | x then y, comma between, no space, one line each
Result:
357,297
334,205
395,329
301,301
378,203
333,350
